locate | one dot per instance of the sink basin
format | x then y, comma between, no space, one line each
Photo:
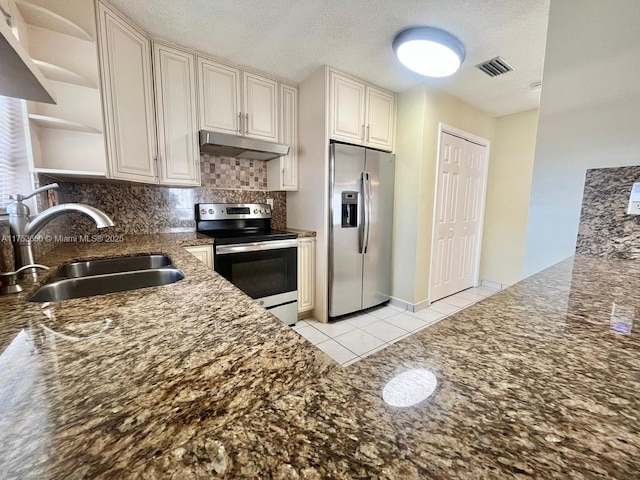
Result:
109,275
113,265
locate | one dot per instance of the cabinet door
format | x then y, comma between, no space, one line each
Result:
178,151
260,107
347,111
220,106
282,173
306,274
380,119
128,97
204,254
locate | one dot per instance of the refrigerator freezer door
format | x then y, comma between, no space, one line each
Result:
345,259
376,276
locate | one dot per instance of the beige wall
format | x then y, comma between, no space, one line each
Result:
420,110
589,116
409,147
508,190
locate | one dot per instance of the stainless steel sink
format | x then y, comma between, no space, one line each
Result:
109,275
113,265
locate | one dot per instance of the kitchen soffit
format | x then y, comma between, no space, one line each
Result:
292,39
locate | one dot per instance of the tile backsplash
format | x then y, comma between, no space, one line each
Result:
157,209
606,230
227,172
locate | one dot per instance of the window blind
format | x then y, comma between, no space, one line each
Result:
14,168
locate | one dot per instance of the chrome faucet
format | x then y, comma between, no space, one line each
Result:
23,229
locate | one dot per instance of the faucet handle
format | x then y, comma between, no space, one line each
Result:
9,280
10,275
19,198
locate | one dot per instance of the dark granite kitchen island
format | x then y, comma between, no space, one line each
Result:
194,380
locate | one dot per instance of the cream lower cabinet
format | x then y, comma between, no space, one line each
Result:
306,275
203,253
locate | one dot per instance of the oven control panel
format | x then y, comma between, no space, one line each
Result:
232,211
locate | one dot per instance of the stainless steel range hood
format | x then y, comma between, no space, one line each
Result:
226,145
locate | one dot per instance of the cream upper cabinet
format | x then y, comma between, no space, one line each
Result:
220,97
282,173
306,274
175,88
260,107
236,101
380,123
125,55
347,108
360,113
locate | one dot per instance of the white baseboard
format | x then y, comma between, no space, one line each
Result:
396,302
412,307
490,284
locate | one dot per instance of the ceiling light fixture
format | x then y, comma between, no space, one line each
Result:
429,51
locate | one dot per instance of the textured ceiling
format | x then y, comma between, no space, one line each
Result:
291,38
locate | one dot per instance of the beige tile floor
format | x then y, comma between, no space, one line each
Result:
360,335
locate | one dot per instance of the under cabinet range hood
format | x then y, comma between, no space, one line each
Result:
226,145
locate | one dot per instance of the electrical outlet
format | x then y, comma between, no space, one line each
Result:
270,202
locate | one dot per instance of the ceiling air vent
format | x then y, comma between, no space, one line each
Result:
495,66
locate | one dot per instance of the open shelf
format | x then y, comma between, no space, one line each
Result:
61,74
44,121
42,17
63,174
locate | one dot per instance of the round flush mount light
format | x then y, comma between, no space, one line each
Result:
429,51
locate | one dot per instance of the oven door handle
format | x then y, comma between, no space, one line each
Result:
255,247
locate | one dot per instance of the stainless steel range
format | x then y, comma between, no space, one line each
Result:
260,261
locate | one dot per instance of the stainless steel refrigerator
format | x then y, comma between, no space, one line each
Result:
360,232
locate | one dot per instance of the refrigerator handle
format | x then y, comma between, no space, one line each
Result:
367,210
362,221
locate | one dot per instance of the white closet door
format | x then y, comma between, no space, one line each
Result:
470,207
445,276
459,200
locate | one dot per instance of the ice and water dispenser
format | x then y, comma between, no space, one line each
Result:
349,209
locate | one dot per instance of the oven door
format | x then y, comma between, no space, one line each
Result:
260,269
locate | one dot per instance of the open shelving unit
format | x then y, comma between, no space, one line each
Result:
62,74
61,38
52,122
42,17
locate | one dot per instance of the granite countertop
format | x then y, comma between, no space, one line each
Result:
302,233
193,380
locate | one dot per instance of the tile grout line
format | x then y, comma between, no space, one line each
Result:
408,333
